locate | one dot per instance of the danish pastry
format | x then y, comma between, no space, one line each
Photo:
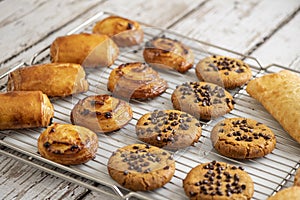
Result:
101,113
122,31
89,50
68,144
136,81
53,79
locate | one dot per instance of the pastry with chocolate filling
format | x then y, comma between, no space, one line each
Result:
122,31
101,113
203,100
68,144
167,53
141,167
169,129
136,81
219,181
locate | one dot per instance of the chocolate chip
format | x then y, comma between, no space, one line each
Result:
146,123
166,167
47,144
192,194
129,26
73,147
108,115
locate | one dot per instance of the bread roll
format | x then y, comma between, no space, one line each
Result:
279,93
54,79
25,109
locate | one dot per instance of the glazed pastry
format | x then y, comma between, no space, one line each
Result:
166,53
136,81
101,113
68,144
291,193
54,79
122,31
25,109
89,50
141,167
279,93
224,71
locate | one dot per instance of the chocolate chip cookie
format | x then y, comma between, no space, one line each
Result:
203,100
287,194
223,71
218,180
242,138
141,167
170,129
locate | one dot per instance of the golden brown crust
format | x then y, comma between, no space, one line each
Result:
203,100
68,144
101,113
141,167
89,50
17,112
279,93
53,79
224,71
287,193
136,81
166,53
122,31
297,178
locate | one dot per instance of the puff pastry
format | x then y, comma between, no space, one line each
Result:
101,113
68,144
123,32
136,81
25,109
279,93
53,79
89,50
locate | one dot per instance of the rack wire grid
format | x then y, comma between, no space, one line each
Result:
270,173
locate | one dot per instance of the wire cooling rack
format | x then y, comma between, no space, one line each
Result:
270,173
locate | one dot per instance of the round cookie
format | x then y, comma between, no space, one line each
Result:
203,100
297,178
223,71
141,167
242,138
218,180
170,129
291,193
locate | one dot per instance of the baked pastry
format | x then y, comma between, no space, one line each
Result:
122,31
141,167
297,178
170,129
203,100
167,53
89,50
101,113
218,180
68,144
135,81
53,79
224,71
287,194
242,138
279,93
25,109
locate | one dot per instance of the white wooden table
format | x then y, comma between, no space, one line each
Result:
266,29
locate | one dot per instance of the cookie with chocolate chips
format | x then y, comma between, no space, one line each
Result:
218,180
141,167
169,129
223,71
242,138
203,100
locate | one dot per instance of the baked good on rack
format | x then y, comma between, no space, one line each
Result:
223,71
297,178
141,167
68,144
218,180
101,113
89,50
169,129
136,81
25,109
122,31
203,100
242,138
279,93
53,79
167,53
287,194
